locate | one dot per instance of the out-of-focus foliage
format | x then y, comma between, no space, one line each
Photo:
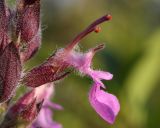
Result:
132,54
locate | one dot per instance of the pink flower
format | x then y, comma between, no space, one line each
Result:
105,104
82,62
44,118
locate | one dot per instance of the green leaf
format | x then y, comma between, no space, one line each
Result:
142,81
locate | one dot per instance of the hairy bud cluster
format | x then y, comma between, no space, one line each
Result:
13,53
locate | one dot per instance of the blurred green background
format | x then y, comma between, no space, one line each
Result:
132,54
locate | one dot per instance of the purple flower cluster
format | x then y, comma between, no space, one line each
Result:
35,108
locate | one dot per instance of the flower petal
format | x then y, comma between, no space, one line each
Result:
54,106
105,104
101,75
44,120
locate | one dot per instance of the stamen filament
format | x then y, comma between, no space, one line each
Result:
89,29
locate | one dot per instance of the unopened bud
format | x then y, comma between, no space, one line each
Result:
28,24
10,70
44,74
3,25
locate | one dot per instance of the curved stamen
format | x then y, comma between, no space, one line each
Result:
89,29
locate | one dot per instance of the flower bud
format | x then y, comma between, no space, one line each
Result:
26,109
45,73
4,14
28,27
10,70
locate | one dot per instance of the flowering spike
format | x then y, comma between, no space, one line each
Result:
89,29
10,70
105,104
36,102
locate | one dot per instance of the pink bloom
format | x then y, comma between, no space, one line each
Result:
82,62
44,118
105,104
